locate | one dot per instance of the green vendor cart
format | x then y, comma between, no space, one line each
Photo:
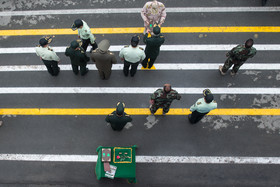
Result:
119,160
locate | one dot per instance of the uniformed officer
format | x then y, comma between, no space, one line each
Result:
237,57
152,13
118,119
48,56
152,47
85,34
78,58
132,55
162,98
103,59
202,107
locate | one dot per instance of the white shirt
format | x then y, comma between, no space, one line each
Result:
46,53
132,54
85,33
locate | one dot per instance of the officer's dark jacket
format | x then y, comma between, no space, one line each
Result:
153,45
118,122
78,57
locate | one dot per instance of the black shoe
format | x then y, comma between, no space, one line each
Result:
264,2
85,72
143,65
189,117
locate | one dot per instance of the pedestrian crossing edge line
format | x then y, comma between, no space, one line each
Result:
143,159
163,66
138,10
134,111
126,30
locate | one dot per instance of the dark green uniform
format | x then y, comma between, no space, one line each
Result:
118,119
78,58
237,57
163,100
152,48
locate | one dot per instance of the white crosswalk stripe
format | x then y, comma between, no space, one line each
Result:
133,90
165,66
144,159
174,48
137,10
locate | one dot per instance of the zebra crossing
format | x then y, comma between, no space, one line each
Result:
71,124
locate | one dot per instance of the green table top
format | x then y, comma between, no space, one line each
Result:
121,157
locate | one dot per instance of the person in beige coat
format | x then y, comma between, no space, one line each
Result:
153,13
103,59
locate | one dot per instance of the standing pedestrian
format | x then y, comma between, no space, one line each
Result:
78,58
152,47
48,56
237,57
202,107
132,55
118,119
153,13
103,59
85,34
162,98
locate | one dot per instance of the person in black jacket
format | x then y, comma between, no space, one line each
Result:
152,47
118,119
78,58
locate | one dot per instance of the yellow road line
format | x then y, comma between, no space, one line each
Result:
141,29
132,111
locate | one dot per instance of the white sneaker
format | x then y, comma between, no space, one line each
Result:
220,69
232,73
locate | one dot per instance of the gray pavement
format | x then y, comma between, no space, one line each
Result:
252,136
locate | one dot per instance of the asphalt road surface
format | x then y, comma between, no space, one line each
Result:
170,136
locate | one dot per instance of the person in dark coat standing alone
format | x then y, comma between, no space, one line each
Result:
118,119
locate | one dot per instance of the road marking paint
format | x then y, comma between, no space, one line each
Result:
138,10
116,48
134,90
165,66
136,111
134,30
144,159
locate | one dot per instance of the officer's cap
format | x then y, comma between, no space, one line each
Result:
120,108
156,30
104,45
45,40
208,96
135,41
77,23
74,44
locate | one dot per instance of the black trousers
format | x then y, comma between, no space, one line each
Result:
196,117
151,63
83,69
86,43
133,68
52,67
